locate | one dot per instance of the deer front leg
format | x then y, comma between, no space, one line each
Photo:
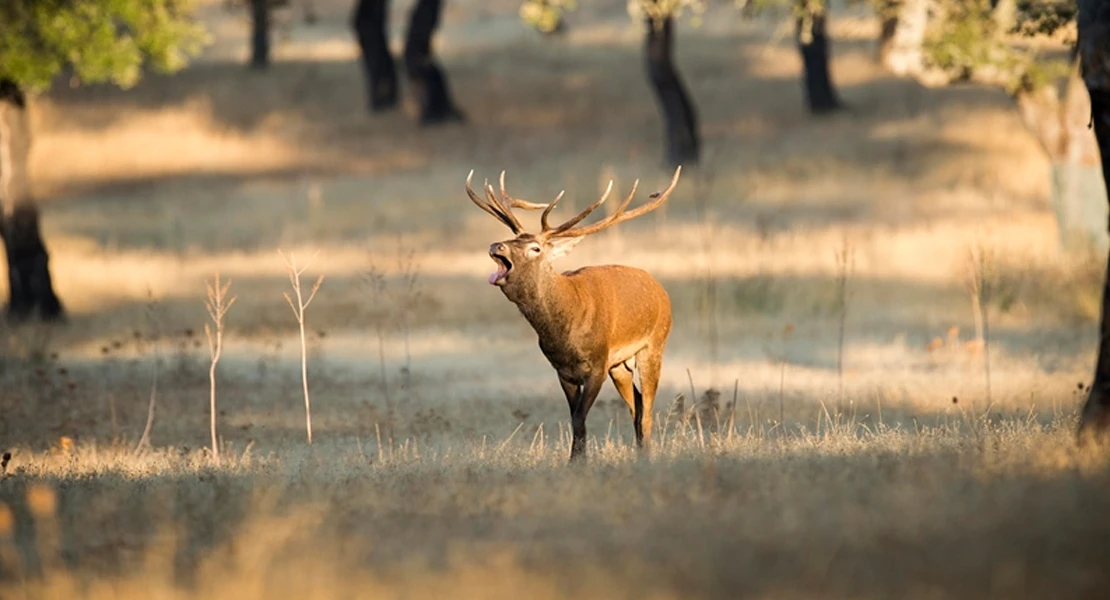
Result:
581,399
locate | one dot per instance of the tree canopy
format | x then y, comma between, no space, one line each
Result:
977,38
544,15
99,40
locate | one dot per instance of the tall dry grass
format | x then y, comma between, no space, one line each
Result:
439,435
852,511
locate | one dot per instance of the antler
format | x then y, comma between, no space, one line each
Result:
507,200
500,211
501,208
565,230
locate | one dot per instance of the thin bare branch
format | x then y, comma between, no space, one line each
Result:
218,304
153,319
315,288
298,309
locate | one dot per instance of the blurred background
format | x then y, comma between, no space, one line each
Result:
879,203
885,257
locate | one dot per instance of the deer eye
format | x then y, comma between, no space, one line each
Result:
534,249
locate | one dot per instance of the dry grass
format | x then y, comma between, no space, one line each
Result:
1011,510
437,467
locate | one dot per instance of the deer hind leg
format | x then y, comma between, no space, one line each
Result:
622,380
649,362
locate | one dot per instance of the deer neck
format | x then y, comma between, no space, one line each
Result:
549,303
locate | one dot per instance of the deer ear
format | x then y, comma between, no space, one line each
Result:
562,246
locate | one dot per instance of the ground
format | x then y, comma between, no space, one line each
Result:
836,417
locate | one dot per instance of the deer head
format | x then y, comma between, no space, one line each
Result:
525,261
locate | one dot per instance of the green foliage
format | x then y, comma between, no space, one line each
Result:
968,39
545,15
1044,16
658,10
964,41
101,40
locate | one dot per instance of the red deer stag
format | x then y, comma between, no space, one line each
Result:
591,322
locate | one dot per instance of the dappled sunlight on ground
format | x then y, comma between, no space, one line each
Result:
835,417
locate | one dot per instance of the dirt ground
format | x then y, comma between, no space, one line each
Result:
869,435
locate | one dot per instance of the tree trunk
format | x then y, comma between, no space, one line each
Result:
1094,55
1004,13
813,43
902,36
310,16
370,24
260,34
1059,119
1079,194
888,25
427,82
30,287
680,120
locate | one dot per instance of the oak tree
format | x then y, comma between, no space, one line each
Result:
86,41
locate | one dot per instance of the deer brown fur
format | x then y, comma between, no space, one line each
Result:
592,323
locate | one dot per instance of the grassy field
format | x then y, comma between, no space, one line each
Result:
836,417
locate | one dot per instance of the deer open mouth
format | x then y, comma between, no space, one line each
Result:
504,265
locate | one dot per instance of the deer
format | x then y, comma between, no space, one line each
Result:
594,322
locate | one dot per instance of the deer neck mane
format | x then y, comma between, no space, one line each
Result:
548,302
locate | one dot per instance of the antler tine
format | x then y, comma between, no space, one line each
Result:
582,215
504,205
508,200
619,215
478,201
547,211
489,208
565,230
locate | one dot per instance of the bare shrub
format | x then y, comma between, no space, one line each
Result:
299,307
217,304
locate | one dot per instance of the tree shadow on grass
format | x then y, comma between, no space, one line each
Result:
480,351
528,104
878,523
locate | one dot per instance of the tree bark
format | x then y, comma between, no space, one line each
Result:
30,287
310,16
679,118
1094,56
260,34
888,25
1059,117
427,82
902,36
370,22
813,44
